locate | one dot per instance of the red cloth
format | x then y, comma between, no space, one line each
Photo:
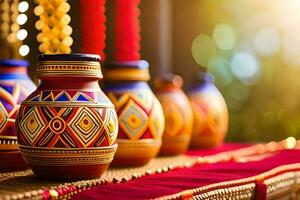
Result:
92,27
223,148
178,180
127,30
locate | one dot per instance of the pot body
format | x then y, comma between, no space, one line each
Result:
15,87
210,114
67,128
178,115
141,120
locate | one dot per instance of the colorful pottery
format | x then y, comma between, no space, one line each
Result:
178,114
210,113
141,119
67,128
15,86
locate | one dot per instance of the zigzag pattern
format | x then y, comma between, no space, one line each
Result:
68,96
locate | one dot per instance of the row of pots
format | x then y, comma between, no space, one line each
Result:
67,128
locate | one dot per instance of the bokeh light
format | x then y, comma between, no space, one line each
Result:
11,37
24,50
22,34
220,68
224,36
245,68
21,19
23,6
262,95
267,41
239,91
291,48
291,142
203,50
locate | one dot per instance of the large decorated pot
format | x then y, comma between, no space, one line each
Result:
210,113
67,128
15,86
141,119
178,114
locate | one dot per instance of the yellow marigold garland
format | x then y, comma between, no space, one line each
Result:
55,33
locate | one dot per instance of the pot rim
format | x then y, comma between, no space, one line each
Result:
69,65
69,57
13,63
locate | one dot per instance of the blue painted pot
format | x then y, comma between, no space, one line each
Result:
140,115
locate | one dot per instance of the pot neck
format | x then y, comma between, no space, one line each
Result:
137,70
168,83
68,83
203,80
125,85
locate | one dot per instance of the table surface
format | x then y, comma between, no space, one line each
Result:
157,179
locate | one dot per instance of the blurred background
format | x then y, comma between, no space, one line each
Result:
252,47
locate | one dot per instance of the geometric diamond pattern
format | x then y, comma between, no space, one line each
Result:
66,126
157,124
3,117
174,119
140,114
32,125
133,120
67,118
85,125
142,98
111,127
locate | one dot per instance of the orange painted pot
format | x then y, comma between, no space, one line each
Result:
178,114
141,119
210,113
67,128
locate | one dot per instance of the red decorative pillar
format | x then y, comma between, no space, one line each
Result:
92,27
127,30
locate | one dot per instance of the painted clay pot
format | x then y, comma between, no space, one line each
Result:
141,119
210,113
67,128
15,86
178,114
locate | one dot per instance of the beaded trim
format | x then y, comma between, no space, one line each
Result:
69,68
237,192
144,143
8,139
62,156
8,142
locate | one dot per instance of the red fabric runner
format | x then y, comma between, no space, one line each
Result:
223,148
178,180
